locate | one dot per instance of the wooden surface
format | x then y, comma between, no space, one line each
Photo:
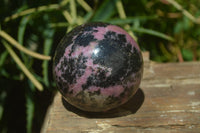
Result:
167,101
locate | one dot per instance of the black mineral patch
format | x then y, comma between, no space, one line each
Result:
66,41
68,38
71,68
117,54
84,39
90,26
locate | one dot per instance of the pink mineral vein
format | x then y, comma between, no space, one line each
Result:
99,35
112,90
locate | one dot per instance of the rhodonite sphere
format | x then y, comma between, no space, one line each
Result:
97,67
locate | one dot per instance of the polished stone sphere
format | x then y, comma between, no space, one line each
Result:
97,67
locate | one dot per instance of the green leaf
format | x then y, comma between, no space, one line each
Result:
130,19
182,25
178,27
3,96
47,48
22,8
5,73
187,54
60,24
30,107
153,32
30,113
105,11
22,28
21,32
87,16
3,58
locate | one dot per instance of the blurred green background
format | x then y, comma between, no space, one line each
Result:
30,29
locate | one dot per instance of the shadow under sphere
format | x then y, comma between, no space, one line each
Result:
128,108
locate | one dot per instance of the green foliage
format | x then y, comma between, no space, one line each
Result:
105,11
30,107
169,31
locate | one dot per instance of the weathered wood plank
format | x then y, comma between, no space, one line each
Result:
168,101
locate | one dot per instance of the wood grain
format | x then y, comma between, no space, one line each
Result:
167,101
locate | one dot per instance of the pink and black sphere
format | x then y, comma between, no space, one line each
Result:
97,67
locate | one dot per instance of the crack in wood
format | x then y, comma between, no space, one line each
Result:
168,126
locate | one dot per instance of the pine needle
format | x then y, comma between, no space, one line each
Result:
23,67
21,48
